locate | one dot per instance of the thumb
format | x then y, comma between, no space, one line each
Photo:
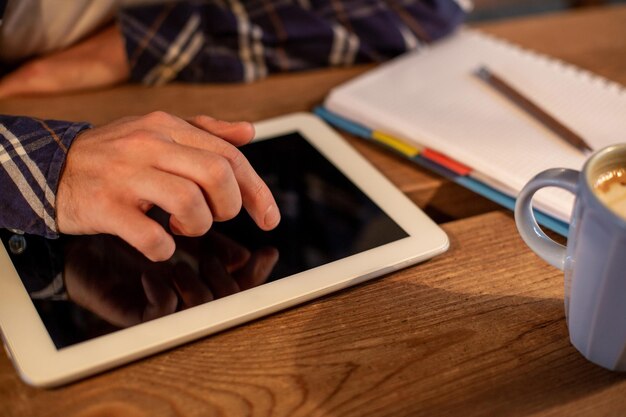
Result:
237,133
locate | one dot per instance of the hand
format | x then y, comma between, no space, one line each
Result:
96,62
108,278
191,169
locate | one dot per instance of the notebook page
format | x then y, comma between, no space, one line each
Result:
432,98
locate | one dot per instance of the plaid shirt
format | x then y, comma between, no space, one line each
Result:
245,40
32,154
215,41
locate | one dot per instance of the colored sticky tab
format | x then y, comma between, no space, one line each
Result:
343,123
449,163
400,146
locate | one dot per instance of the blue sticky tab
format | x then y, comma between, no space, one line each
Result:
344,124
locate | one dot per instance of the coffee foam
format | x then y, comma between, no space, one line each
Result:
610,187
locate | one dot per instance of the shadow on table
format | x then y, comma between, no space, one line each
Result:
451,202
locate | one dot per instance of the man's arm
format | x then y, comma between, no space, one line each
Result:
96,62
245,41
114,174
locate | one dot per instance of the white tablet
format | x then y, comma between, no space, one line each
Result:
78,305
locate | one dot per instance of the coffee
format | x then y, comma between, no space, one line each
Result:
610,187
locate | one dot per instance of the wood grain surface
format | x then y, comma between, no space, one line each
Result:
478,331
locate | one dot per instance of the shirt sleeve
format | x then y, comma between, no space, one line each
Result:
217,41
32,155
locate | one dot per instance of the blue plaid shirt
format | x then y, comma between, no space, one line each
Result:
215,41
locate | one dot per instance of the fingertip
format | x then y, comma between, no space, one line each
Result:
247,130
141,232
157,245
237,133
163,252
268,218
180,229
271,219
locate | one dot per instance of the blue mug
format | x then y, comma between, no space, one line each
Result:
594,260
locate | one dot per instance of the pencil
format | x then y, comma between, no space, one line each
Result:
533,109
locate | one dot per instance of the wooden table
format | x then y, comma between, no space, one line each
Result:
479,330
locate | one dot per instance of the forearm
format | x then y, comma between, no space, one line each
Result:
209,42
32,155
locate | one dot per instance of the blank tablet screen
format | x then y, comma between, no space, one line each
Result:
87,286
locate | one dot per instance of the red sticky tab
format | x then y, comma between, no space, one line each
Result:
446,162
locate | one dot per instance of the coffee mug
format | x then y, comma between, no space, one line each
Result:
594,260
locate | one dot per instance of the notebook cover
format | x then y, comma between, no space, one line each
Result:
432,98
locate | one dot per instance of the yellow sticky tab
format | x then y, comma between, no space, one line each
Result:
396,144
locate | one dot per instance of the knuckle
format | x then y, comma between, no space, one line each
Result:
186,198
220,171
159,116
141,137
141,141
187,206
232,155
201,119
135,139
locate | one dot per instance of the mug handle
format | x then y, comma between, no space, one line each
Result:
551,251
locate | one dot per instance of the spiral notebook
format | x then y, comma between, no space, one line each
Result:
429,105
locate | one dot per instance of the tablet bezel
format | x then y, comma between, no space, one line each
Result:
39,363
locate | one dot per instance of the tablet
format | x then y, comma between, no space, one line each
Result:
78,305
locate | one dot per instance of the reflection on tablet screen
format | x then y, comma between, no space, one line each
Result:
87,286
